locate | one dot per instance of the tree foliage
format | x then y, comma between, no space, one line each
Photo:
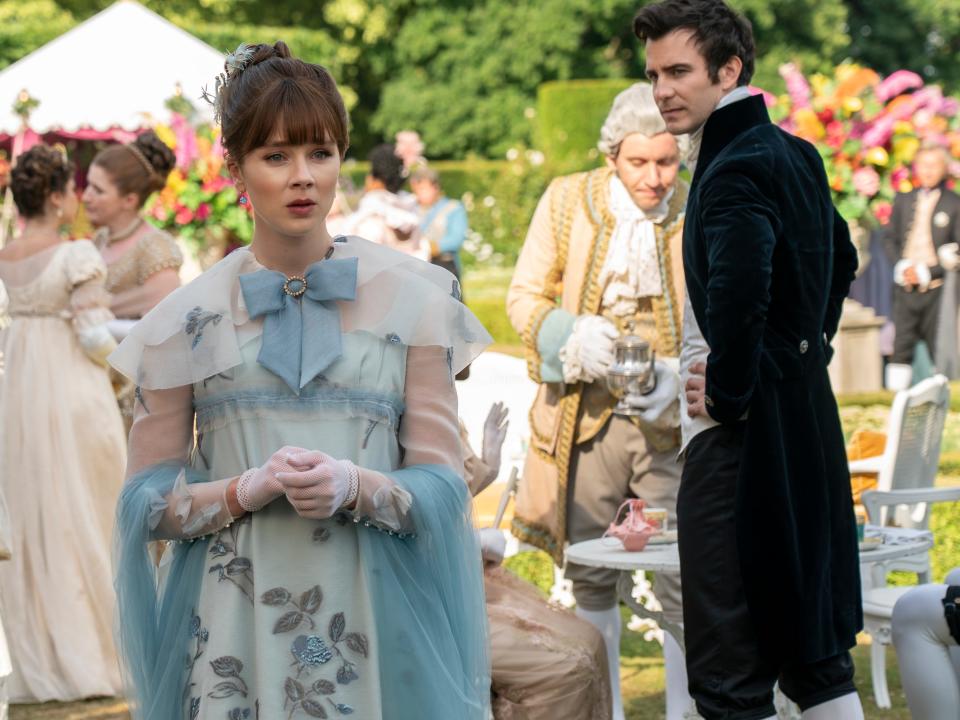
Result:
920,35
465,72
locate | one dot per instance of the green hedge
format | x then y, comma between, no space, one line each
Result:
569,117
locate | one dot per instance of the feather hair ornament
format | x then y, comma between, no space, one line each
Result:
233,65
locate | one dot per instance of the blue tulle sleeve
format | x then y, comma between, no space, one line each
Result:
155,618
429,604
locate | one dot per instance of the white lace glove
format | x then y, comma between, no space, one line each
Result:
661,407
494,433
949,256
259,487
492,545
320,485
588,351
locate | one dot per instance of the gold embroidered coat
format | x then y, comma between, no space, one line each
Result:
559,267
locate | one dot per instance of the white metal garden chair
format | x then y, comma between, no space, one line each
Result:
910,457
878,597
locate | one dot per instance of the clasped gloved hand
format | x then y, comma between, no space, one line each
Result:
259,487
319,485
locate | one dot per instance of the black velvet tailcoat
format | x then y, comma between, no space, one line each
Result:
768,262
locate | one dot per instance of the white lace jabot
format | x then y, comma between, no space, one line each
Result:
631,269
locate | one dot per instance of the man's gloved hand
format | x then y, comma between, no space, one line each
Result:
588,351
661,407
492,545
318,485
949,256
259,487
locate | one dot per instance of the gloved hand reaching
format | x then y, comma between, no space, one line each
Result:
588,351
494,433
661,407
492,545
318,485
259,487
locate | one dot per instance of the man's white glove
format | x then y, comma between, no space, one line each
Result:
320,485
949,256
588,351
492,545
661,407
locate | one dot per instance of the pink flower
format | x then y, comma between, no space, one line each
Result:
184,215
216,184
769,99
866,181
203,211
797,86
186,141
157,212
883,211
897,84
898,176
878,133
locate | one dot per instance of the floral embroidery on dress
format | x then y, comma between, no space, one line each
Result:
201,635
238,570
313,652
138,396
321,534
228,668
197,320
393,338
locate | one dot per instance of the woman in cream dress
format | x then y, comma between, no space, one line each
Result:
61,448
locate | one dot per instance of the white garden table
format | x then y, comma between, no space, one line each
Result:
607,553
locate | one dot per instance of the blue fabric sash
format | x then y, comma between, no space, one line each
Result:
301,320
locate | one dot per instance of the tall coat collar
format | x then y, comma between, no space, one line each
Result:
724,125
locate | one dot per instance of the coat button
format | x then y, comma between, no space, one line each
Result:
804,346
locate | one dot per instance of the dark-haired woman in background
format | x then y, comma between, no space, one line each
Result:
62,448
142,260
329,566
385,215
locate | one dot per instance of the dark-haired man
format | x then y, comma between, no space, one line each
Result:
768,544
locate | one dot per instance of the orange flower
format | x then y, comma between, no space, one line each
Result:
854,81
809,126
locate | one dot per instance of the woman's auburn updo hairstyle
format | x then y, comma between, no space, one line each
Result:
39,172
140,167
273,93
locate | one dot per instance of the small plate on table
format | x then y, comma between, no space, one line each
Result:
666,537
871,542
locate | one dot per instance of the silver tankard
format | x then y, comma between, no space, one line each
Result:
632,373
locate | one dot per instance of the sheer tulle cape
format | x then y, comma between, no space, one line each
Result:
427,598
196,332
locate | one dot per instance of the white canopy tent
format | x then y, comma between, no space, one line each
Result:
111,73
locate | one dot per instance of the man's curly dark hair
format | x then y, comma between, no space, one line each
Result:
719,31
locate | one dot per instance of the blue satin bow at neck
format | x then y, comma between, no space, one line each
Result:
301,320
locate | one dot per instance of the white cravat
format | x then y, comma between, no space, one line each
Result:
694,348
631,269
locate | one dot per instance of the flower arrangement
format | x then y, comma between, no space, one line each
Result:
867,129
199,202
